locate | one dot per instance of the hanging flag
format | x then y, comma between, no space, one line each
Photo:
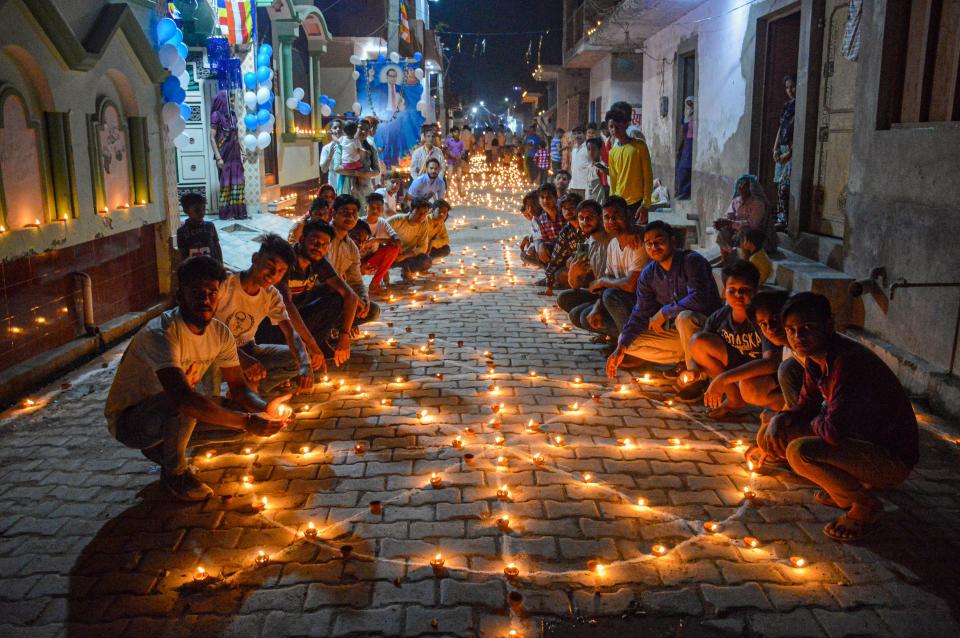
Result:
173,11
404,23
236,20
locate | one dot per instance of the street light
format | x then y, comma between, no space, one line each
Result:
482,103
506,99
474,110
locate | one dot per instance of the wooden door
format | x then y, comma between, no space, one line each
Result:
834,127
780,53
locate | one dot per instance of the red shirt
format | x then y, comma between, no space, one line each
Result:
859,397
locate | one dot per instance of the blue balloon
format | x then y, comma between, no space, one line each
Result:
418,56
178,95
182,50
250,80
175,39
165,29
263,74
169,87
263,59
270,100
185,112
266,50
263,116
304,108
250,121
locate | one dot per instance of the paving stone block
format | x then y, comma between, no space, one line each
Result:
424,620
602,603
672,602
490,594
386,620
729,597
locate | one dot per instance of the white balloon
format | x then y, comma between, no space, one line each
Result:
273,120
355,60
263,95
184,80
292,103
395,57
263,140
170,111
357,108
179,66
250,99
356,75
250,141
298,93
182,141
176,126
168,54
325,110
264,128
418,73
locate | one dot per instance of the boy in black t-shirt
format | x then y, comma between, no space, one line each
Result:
730,339
196,236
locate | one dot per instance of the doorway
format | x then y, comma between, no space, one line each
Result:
779,46
834,127
686,130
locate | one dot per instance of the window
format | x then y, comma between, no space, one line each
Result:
21,178
922,52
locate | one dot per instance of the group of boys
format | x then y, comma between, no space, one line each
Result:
833,413
265,330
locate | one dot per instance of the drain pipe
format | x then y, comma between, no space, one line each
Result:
88,322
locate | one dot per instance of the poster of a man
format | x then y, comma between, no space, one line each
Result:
390,92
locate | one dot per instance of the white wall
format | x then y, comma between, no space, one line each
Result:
617,78
726,44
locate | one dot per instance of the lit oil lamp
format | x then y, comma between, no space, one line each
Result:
748,493
626,443
261,559
261,504
642,503
201,575
311,531
436,480
497,408
439,376
504,522
511,570
532,373
587,477
532,426
558,441
751,542
573,407
457,442
798,561
498,441
437,564
503,493
675,442
578,380
248,451
538,459
247,481
360,448
658,550
386,402
595,397
712,526
398,379
423,414
501,461
305,450
210,454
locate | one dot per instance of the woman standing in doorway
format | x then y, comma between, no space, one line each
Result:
783,152
685,152
225,138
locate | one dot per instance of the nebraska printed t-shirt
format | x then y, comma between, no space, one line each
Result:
166,342
744,337
242,312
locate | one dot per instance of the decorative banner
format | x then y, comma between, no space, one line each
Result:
236,20
392,93
404,23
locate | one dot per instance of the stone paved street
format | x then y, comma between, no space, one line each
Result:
89,544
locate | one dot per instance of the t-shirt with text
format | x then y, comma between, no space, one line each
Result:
242,312
745,337
301,281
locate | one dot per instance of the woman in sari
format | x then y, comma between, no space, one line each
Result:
225,139
748,209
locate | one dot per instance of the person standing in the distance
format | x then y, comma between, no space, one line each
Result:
225,139
783,152
196,236
466,135
579,163
688,129
556,150
334,131
456,154
531,144
631,175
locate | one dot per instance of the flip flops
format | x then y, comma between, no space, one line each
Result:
856,530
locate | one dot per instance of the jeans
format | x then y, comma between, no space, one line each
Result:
615,307
847,472
417,263
619,304
372,315
321,310
442,251
670,346
157,421
790,378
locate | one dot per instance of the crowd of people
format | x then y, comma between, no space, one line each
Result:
831,411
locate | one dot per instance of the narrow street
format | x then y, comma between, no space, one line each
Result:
89,544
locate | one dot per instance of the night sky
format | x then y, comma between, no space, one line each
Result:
492,76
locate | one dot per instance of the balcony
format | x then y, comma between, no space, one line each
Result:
592,30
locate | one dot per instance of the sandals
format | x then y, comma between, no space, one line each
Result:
852,531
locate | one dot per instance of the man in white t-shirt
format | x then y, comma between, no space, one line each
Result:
246,299
153,404
390,191
326,153
579,164
625,259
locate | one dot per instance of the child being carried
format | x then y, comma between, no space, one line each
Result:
352,152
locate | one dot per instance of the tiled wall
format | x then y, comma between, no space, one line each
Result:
41,303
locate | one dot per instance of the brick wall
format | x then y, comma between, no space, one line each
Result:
41,306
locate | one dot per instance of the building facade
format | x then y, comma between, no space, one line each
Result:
87,181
